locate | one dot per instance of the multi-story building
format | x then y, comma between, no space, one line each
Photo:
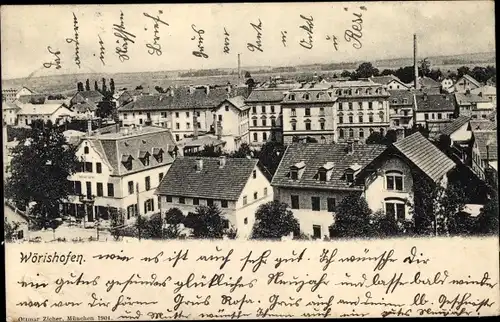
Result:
466,83
362,107
434,111
9,113
313,178
474,105
53,112
184,110
265,115
308,112
391,82
401,108
231,122
86,96
489,92
12,94
236,185
121,171
484,151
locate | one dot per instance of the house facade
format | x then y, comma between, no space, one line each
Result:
121,171
86,96
53,112
265,119
466,83
12,94
308,113
434,111
391,82
484,151
447,85
488,91
236,185
232,121
9,113
474,105
401,108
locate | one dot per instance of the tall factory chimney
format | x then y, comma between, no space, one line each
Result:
239,67
415,63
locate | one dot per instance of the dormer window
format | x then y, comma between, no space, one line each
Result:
127,161
306,96
158,154
351,171
296,170
144,157
294,174
349,176
292,97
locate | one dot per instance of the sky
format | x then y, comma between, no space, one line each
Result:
387,28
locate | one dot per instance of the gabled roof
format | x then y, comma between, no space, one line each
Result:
386,79
399,95
85,106
485,90
427,82
265,95
425,156
316,155
39,109
212,182
486,138
472,80
9,105
454,125
467,99
237,101
484,125
309,96
434,102
114,147
91,95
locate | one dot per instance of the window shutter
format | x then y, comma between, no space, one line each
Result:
152,205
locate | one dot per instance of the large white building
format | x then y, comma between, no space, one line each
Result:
45,112
121,170
231,122
236,185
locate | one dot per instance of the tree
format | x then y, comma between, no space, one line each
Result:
391,136
346,74
250,84
40,167
117,222
112,86
405,74
383,225
366,70
352,217
207,222
425,67
159,89
464,70
174,218
96,87
449,202
487,221
435,74
139,87
274,220
386,72
104,89
375,138
87,85
10,230
243,152
270,155
79,86
105,108
154,227
463,224
247,74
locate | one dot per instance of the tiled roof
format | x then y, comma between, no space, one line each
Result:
313,96
485,90
467,99
316,155
212,182
83,107
484,138
265,95
428,82
425,155
384,80
27,98
472,80
399,95
485,125
454,125
203,141
9,105
238,102
94,95
435,102
181,99
38,109
114,146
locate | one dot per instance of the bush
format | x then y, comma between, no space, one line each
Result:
274,220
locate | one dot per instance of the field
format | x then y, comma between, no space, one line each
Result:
66,84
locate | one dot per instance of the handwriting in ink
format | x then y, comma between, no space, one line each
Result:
101,50
155,47
258,42
482,282
137,315
412,259
226,41
75,40
223,259
127,301
179,300
201,49
308,27
297,259
119,257
333,38
228,300
262,259
57,60
97,302
283,38
125,36
356,33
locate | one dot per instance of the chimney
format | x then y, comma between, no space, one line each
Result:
89,127
415,59
350,147
222,161
239,67
199,164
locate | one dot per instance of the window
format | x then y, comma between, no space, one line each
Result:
176,114
349,177
130,187
351,133
394,180
149,205
293,112
294,126
254,122
405,101
210,202
360,119
163,114
322,125
244,200
272,108
330,203
294,175
86,150
177,126
177,138
147,183
316,231
361,133
255,195
370,105
396,210
245,221
341,119
89,189
322,175
307,111
295,201
341,133
370,118
264,122
263,109
350,106
351,119
255,137
98,167
140,121
187,114
88,166
198,124
99,189
306,96
265,191
223,203
440,116
125,116
308,126
264,137
273,121
254,174
182,200
315,203
426,116
111,190
433,116
188,125
145,160
78,187
292,97
169,198
196,201
340,107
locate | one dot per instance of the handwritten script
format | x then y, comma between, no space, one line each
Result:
195,280
75,41
155,47
124,37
